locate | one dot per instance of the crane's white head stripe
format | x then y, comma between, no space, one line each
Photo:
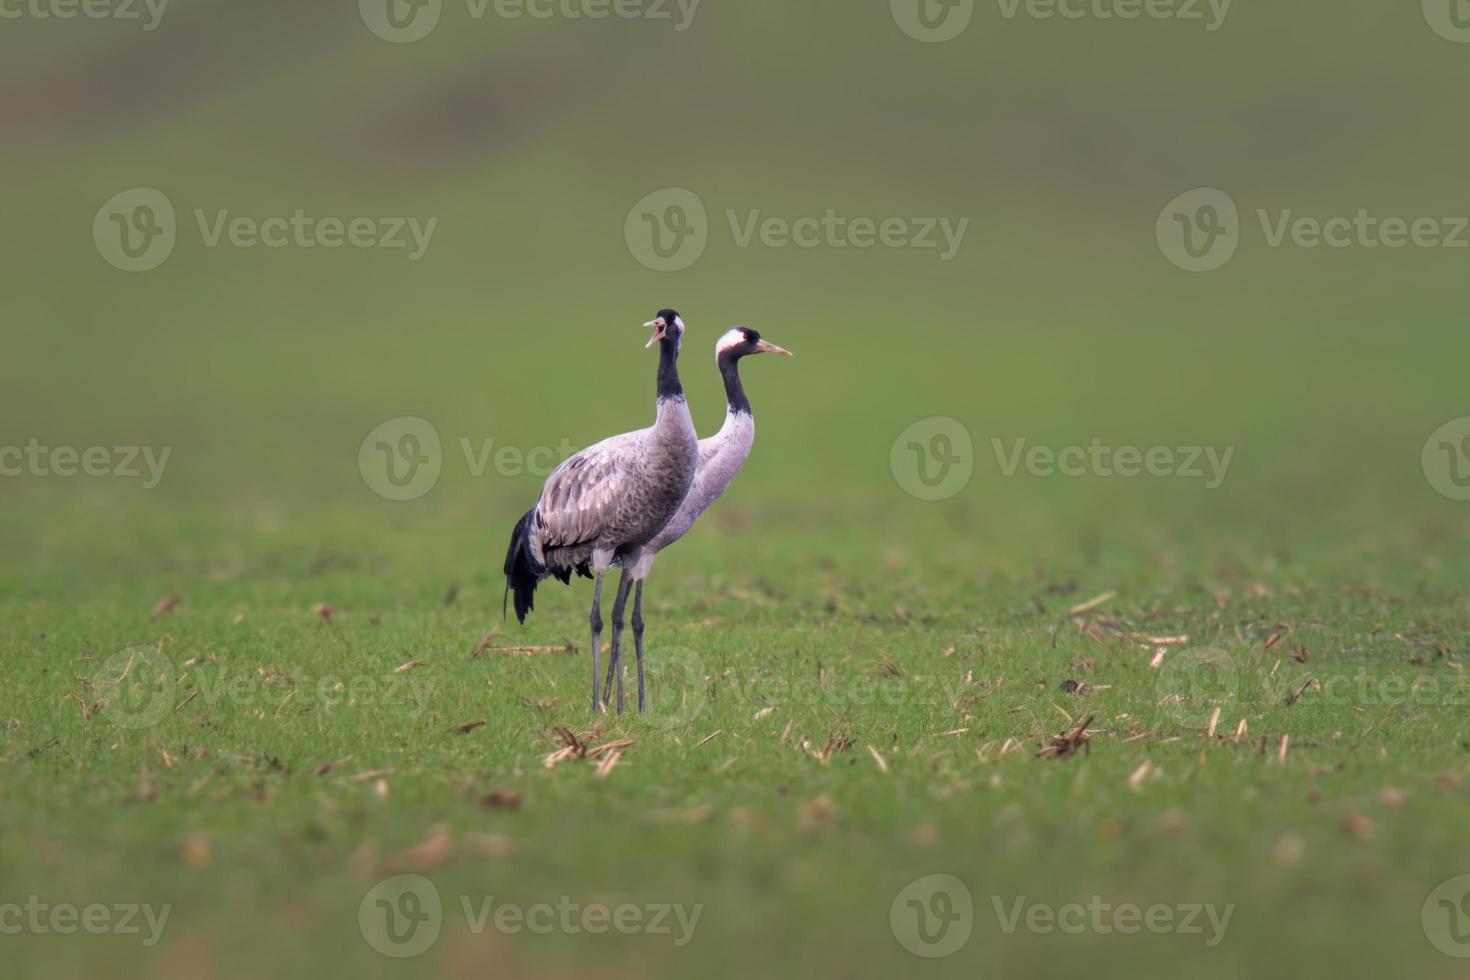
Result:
732,338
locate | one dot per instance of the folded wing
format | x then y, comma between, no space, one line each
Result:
581,498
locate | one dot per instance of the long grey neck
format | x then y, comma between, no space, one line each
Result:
720,459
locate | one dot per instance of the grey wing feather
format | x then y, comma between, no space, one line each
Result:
582,495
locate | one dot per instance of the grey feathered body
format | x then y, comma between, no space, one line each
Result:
613,498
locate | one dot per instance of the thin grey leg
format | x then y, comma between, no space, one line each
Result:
615,655
638,640
612,667
596,623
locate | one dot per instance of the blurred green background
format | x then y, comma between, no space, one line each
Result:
531,142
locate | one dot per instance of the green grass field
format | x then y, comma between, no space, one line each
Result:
246,693
833,716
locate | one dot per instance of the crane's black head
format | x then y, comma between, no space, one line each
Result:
741,342
667,327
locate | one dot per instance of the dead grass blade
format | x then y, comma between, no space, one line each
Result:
486,643
1068,742
1092,603
427,854
608,763
1296,696
617,746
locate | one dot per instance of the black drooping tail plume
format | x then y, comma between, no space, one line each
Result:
522,573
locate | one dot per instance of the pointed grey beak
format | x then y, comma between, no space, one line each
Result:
658,327
766,347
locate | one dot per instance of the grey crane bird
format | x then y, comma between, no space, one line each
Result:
606,503
720,458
